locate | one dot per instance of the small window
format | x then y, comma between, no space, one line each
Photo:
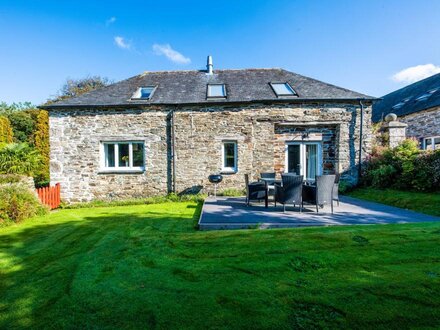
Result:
283,89
216,91
427,95
398,105
121,156
431,143
144,93
402,103
229,155
423,97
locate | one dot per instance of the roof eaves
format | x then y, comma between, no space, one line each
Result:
208,102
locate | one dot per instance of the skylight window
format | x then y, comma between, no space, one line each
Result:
424,97
216,91
283,89
427,95
144,93
398,105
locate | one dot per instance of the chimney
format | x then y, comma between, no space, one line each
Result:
209,66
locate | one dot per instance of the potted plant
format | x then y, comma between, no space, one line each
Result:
125,159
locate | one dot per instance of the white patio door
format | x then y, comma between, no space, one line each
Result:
304,158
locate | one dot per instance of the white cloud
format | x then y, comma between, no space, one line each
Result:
121,43
110,21
170,53
415,73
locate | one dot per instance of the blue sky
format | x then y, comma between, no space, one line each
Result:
359,45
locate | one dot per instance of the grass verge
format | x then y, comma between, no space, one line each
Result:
428,203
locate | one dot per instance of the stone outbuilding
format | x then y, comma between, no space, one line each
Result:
418,106
162,132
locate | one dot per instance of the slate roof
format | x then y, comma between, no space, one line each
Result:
189,87
404,100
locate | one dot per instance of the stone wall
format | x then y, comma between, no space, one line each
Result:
261,132
423,124
75,137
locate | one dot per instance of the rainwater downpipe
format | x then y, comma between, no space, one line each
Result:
173,152
360,138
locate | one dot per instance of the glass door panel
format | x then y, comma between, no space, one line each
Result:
294,158
304,158
311,161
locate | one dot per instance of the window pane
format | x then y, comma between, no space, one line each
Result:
437,143
311,161
146,92
229,153
293,159
216,91
283,89
428,143
123,155
138,154
109,150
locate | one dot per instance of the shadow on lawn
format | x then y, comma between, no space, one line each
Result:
47,269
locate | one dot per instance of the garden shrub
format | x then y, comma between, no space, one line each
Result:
41,137
426,175
403,167
19,159
6,133
345,186
10,178
18,203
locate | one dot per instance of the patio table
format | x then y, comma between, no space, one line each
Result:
270,185
309,192
270,182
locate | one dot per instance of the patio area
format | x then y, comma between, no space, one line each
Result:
232,213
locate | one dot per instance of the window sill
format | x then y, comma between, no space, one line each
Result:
133,171
228,172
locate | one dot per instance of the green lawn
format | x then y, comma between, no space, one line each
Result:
146,267
428,203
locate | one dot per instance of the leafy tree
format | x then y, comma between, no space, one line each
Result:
19,159
75,87
41,137
6,134
23,124
6,108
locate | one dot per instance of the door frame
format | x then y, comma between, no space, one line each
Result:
302,156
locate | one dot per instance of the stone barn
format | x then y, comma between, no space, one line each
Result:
162,132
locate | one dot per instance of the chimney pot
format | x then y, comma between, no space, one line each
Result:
209,66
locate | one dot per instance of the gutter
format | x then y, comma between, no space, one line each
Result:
144,105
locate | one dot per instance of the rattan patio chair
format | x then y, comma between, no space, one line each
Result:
290,191
336,188
255,190
322,193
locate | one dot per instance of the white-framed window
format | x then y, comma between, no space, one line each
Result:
283,89
431,143
229,156
304,158
123,156
216,91
144,93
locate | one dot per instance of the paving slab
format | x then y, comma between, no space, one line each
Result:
232,213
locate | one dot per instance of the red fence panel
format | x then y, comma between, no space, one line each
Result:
50,196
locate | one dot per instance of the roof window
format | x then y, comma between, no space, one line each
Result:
427,95
398,105
283,89
144,93
216,91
